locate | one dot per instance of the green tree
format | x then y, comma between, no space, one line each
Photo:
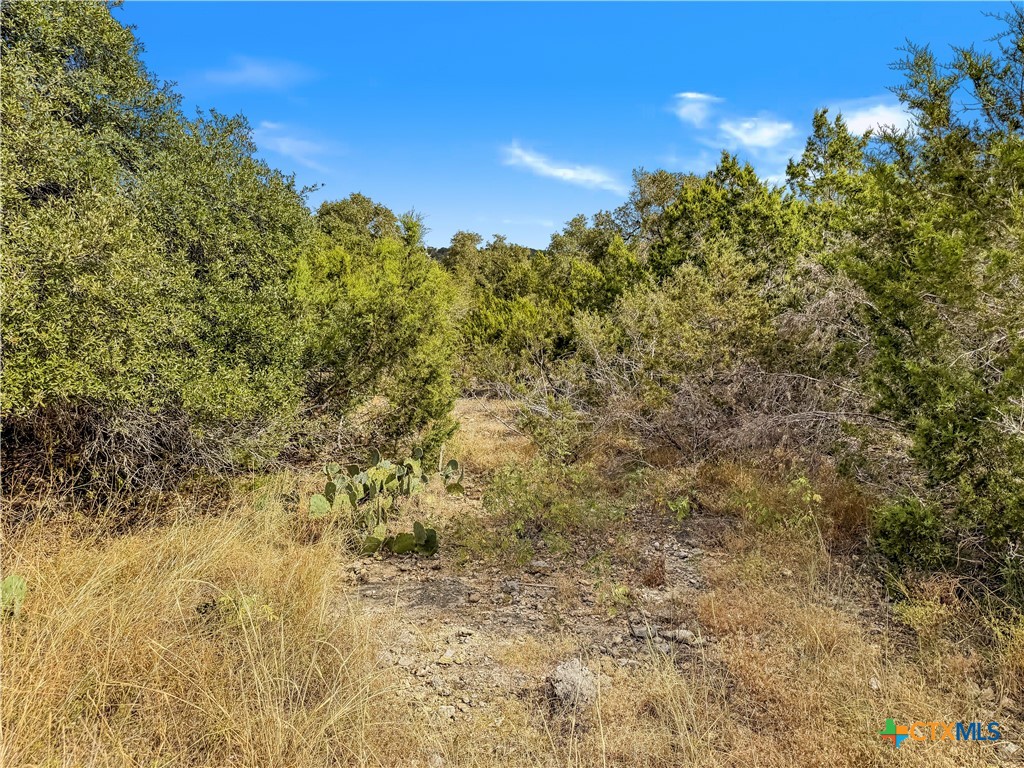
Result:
733,203
937,252
382,320
149,320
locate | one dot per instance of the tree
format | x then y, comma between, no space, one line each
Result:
149,324
732,202
937,252
382,317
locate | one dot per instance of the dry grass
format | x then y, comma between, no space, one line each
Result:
812,654
212,642
487,438
231,641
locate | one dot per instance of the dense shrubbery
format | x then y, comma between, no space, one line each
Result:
170,303
936,246
380,321
873,310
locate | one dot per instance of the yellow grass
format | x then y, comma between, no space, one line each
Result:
212,642
234,641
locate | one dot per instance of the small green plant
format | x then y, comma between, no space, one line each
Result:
236,609
808,503
912,533
614,597
566,507
929,619
793,506
371,496
12,594
681,508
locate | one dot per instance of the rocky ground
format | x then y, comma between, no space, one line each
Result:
454,627
469,635
466,637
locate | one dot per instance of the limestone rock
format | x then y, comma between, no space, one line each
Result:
573,685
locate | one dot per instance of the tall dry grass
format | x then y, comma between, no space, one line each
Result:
216,641
233,641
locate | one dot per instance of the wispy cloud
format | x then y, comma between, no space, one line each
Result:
278,138
757,132
588,176
246,72
694,108
699,162
870,114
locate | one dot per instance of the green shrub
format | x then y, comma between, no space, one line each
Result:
566,507
382,327
912,533
370,497
149,322
934,243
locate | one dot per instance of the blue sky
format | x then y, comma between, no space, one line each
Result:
512,118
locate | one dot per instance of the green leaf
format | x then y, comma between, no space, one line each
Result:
403,543
319,506
370,545
330,491
430,545
12,594
419,532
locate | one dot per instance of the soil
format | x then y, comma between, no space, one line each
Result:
461,631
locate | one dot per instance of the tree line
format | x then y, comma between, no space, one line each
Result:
172,308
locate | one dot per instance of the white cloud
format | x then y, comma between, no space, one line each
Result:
588,176
861,117
246,72
694,108
274,137
759,132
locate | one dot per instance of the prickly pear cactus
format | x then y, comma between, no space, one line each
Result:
12,594
452,473
370,495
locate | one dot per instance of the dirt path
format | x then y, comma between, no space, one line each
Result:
709,644
470,636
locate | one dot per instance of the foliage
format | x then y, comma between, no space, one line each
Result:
147,261
381,322
871,309
731,202
371,497
566,507
912,533
237,609
12,594
936,250
681,508
170,305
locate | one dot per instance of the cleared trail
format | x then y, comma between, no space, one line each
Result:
705,647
